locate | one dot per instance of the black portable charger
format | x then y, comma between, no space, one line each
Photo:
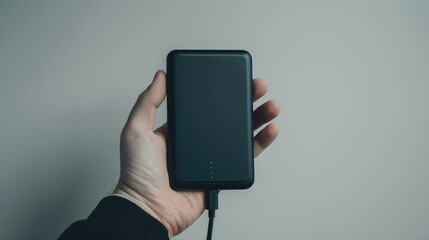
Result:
209,108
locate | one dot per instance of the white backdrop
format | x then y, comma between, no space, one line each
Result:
352,78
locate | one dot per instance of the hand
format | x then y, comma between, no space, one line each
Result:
144,176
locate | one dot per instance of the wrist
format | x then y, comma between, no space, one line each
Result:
123,190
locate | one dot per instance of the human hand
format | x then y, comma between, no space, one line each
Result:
144,175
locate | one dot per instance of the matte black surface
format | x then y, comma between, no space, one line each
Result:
210,136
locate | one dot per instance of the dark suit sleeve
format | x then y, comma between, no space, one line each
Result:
117,218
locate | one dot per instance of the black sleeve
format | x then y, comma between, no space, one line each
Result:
116,218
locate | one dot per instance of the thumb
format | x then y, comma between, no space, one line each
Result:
143,114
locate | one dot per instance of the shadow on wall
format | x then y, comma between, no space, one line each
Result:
62,191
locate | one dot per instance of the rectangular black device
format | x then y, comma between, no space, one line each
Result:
209,114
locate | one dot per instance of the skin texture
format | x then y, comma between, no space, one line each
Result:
144,176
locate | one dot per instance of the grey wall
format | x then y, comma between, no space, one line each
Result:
351,160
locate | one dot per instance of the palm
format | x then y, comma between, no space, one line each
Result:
145,155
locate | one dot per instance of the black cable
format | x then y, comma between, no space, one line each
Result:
211,205
210,229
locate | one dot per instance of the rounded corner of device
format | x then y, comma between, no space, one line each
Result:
246,55
248,183
172,54
175,185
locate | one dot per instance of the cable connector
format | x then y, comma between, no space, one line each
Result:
211,205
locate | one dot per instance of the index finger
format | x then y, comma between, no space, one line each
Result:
260,88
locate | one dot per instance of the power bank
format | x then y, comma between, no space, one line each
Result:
209,114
